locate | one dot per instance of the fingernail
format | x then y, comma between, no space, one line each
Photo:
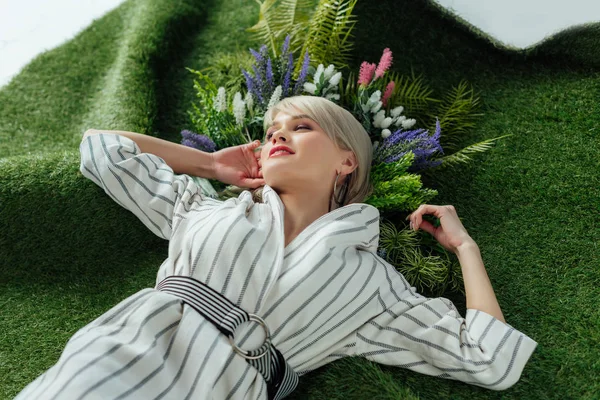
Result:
411,226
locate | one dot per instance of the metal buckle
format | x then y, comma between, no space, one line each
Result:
246,354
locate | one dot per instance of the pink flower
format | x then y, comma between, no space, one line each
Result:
388,92
384,63
366,73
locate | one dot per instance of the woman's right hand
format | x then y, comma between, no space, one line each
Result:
238,165
450,234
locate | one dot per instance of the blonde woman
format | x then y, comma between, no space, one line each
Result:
255,294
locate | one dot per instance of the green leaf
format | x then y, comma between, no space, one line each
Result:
328,40
461,156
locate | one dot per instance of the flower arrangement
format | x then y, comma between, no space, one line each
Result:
397,150
403,147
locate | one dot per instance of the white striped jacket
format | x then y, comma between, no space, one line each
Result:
324,296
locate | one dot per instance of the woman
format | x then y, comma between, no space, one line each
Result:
255,294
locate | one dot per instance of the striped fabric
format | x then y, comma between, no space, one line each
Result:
326,295
226,316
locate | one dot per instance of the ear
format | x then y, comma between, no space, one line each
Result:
349,163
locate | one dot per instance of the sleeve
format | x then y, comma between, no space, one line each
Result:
142,183
428,335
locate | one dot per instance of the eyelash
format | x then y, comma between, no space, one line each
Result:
270,135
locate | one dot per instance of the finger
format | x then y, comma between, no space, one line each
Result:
426,226
253,183
255,146
423,209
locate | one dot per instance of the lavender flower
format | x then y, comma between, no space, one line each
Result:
286,45
418,141
200,142
252,86
269,74
288,74
259,55
303,74
261,93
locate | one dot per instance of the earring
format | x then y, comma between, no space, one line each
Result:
345,189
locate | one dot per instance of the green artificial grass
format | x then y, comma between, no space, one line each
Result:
68,253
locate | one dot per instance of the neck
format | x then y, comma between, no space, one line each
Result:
301,209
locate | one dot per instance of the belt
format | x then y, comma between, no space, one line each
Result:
280,377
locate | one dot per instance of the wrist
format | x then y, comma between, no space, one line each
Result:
467,245
206,165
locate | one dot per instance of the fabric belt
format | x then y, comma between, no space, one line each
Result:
280,377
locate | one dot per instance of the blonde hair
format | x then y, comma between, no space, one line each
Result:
343,129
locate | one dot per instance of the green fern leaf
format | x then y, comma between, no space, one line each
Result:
461,157
456,114
329,36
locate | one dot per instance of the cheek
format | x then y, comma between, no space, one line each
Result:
317,148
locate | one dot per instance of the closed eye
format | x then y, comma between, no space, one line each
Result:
270,134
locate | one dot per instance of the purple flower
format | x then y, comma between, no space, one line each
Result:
303,73
260,88
200,142
257,56
252,86
260,54
288,75
286,45
417,141
269,74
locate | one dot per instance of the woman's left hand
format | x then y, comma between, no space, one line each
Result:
239,165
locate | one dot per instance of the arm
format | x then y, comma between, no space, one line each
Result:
478,288
429,336
182,159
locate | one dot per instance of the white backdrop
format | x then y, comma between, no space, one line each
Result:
29,27
522,23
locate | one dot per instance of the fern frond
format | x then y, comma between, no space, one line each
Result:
461,156
329,36
264,30
280,18
412,93
456,114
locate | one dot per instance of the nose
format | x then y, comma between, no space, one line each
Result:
278,135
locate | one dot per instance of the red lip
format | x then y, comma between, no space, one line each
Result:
277,148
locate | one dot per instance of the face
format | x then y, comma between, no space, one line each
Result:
315,157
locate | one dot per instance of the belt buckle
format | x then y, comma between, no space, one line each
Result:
246,354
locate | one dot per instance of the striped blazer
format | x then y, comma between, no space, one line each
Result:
324,296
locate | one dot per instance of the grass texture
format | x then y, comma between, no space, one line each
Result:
68,253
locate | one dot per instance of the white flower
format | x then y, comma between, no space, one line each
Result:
408,123
386,122
275,97
397,111
220,100
332,96
335,79
329,71
317,76
239,108
378,118
375,97
365,107
249,101
376,107
399,120
310,87
386,133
